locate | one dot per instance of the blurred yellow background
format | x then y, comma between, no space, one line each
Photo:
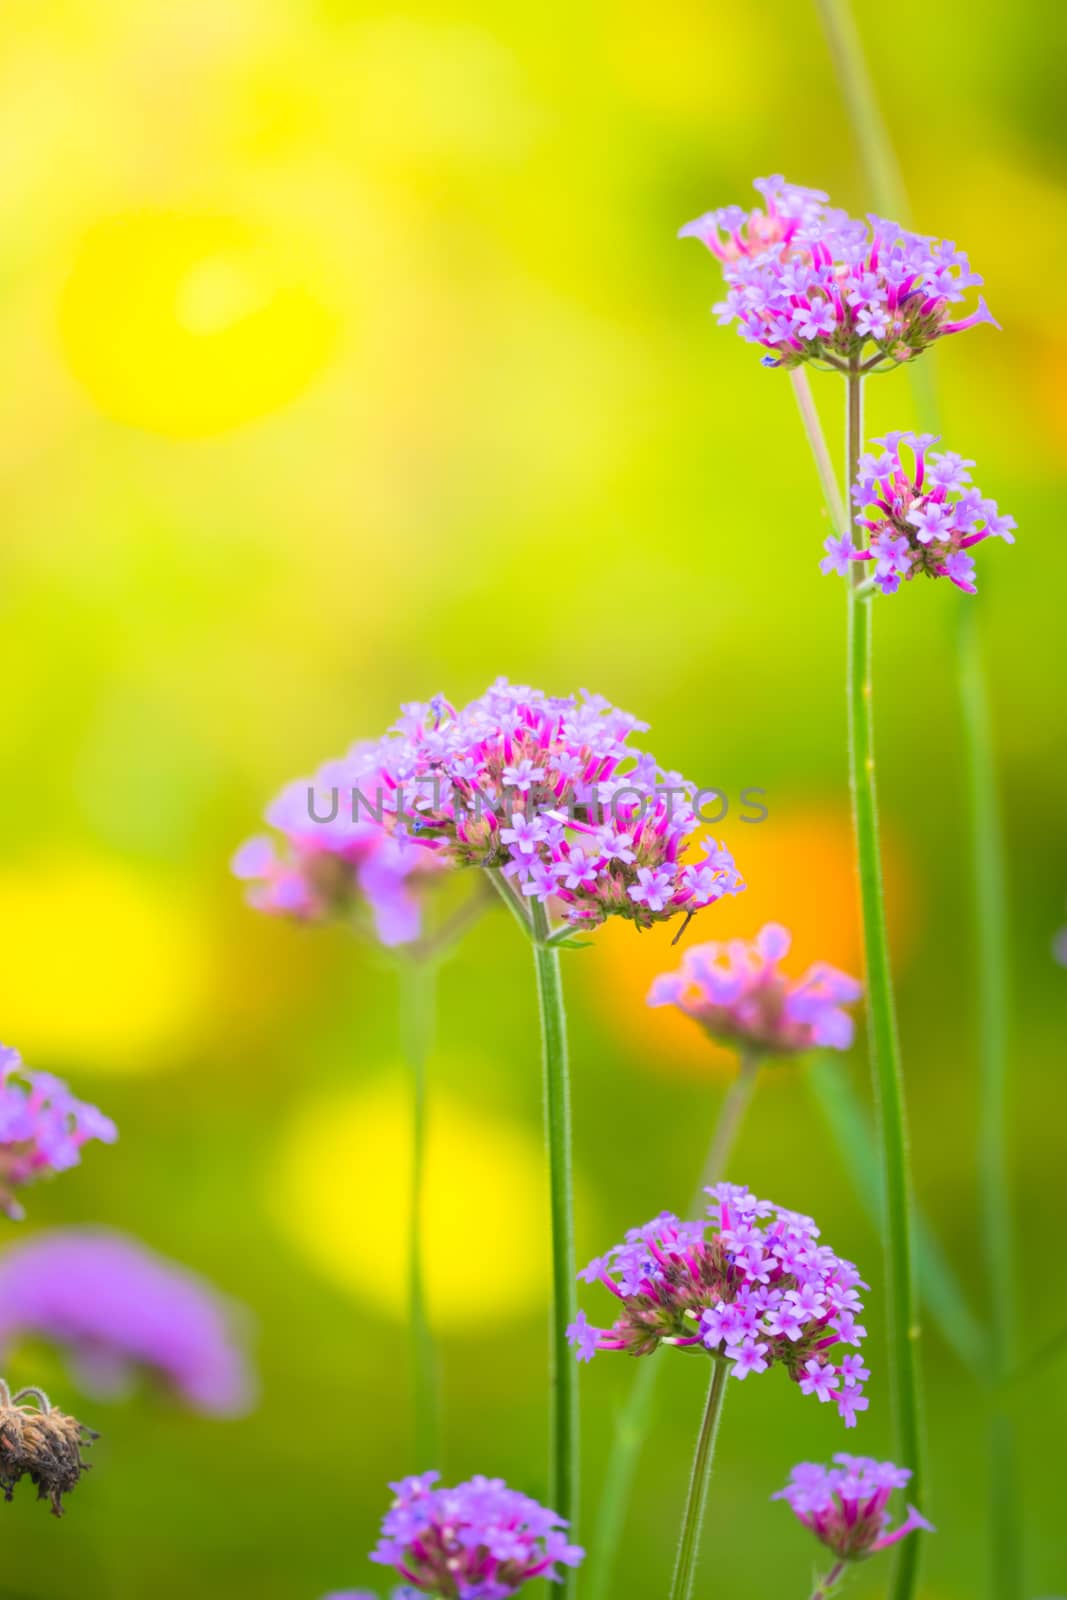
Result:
349,356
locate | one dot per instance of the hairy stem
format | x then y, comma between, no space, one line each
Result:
696,1499
827,1585
882,1031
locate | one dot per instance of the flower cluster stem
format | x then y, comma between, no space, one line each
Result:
417,1004
882,1030
734,1107
696,1499
826,1586
563,1370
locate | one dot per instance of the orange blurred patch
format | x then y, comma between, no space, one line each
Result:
799,872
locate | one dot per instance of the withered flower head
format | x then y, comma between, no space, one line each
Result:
41,1443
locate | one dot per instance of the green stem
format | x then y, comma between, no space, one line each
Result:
875,146
737,1101
882,1031
817,441
563,1370
635,1418
416,1021
827,1585
697,1496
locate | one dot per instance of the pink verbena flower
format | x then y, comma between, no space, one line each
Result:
810,283
117,1310
478,1541
751,1286
738,993
922,517
42,1128
335,854
549,791
845,1505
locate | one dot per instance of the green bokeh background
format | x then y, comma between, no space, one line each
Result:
491,429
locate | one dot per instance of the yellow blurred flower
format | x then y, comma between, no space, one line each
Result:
100,966
340,1194
191,324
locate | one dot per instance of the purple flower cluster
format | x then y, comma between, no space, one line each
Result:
115,1309
810,283
845,1505
546,790
42,1128
755,1296
478,1541
921,519
737,992
334,859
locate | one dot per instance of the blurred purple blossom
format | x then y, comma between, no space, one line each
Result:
116,1310
42,1128
738,993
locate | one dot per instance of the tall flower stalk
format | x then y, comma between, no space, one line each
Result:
988,874
332,858
812,286
884,1044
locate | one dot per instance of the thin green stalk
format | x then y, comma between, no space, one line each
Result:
737,1101
417,997
697,1497
635,1418
817,441
987,852
826,1586
882,1031
563,1370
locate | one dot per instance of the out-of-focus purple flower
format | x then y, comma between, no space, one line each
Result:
751,1286
336,853
922,517
42,1128
116,1309
478,1541
845,1505
738,993
810,283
